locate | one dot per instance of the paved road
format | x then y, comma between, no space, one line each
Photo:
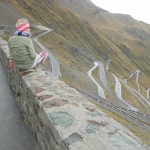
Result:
14,134
54,62
100,89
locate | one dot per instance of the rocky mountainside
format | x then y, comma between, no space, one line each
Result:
84,33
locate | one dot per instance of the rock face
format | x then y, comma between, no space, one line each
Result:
60,117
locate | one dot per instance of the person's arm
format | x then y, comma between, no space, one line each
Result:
31,49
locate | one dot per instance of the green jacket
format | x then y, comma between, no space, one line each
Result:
22,51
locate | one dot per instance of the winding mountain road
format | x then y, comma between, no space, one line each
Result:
102,75
118,91
137,79
54,62
108,63
137,94
100,89
142,97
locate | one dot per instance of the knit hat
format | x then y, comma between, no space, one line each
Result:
22,25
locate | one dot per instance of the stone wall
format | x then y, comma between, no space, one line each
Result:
60,118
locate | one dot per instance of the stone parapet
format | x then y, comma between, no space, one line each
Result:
61,118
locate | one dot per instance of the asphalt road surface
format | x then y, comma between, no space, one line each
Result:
14,134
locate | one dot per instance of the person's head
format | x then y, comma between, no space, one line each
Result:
23,25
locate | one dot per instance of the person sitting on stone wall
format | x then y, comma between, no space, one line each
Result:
22,51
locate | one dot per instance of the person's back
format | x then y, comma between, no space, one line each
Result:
22,51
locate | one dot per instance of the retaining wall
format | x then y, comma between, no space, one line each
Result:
60,118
